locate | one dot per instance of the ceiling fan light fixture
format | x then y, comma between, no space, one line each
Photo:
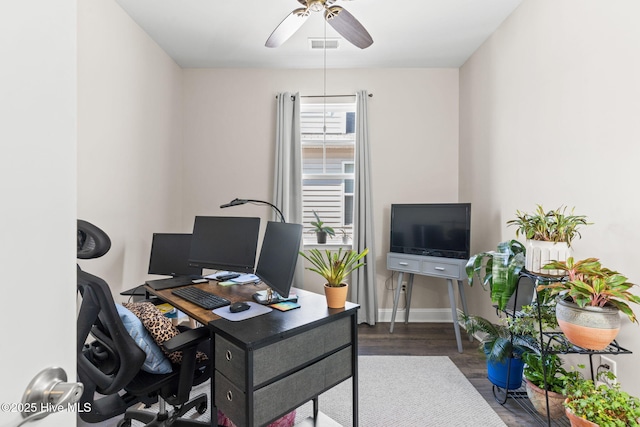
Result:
315,5
341,20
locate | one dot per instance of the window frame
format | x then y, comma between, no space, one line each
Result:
325,140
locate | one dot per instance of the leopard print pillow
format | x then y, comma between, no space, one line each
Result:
160,328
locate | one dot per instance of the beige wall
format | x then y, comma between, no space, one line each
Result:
548,114
229,132
129,139
158,145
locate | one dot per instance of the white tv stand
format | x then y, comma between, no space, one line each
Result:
446,268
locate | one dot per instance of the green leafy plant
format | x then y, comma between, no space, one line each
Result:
539,366
546,371
500,341
552,226
334,266
530,318
605,405
498,270
319,227
591,284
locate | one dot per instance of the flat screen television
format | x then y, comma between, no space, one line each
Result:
431,229
224,243
170,255
279,256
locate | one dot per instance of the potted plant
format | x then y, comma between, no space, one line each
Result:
549,235
345,236
503,346
589,301
334,267
605,404
321,230
498,270
545,380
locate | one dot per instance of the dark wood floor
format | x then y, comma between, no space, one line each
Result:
438,339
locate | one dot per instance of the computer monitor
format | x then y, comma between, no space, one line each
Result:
225,243
279,255
170,255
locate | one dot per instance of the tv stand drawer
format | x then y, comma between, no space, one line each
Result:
448,268
400,263
441,268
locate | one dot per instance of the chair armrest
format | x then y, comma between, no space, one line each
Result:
188,342
186,339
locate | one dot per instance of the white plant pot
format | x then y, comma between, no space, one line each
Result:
540,253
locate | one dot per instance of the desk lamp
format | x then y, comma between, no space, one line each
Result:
237,202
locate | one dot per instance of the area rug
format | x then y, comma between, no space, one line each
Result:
401,391
407,391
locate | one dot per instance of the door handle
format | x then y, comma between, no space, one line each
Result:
48,392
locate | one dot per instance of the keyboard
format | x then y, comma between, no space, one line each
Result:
204,299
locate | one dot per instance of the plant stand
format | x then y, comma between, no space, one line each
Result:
548,340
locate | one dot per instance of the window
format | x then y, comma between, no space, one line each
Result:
328,166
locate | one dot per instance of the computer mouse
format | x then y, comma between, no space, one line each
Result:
237,307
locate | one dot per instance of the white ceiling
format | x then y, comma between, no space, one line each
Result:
232,33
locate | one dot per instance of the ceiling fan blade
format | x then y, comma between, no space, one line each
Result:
287,27
348,26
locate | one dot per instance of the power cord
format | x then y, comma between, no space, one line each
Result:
133,292
601,369
389,285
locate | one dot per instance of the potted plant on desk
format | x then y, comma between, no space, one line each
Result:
334,268
589,302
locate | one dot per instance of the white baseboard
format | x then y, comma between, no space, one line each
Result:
418,315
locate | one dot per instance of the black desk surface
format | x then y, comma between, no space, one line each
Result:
259,330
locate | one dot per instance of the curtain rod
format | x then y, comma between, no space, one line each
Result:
370,95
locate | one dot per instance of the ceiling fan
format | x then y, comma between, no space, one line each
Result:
338,17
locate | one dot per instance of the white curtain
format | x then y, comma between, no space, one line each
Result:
363,280
287,188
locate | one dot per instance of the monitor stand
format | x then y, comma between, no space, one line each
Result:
270,296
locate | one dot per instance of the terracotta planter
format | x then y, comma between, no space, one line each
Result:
336,295
540,253
576,421
538,399
592,328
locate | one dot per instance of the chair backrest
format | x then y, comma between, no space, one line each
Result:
110,358
92,241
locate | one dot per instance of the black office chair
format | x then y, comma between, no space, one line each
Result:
110,361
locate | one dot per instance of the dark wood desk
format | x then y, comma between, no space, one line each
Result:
232,293
268,365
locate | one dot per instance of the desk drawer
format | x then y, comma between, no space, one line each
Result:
282,356
442,269
403,264
292,391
